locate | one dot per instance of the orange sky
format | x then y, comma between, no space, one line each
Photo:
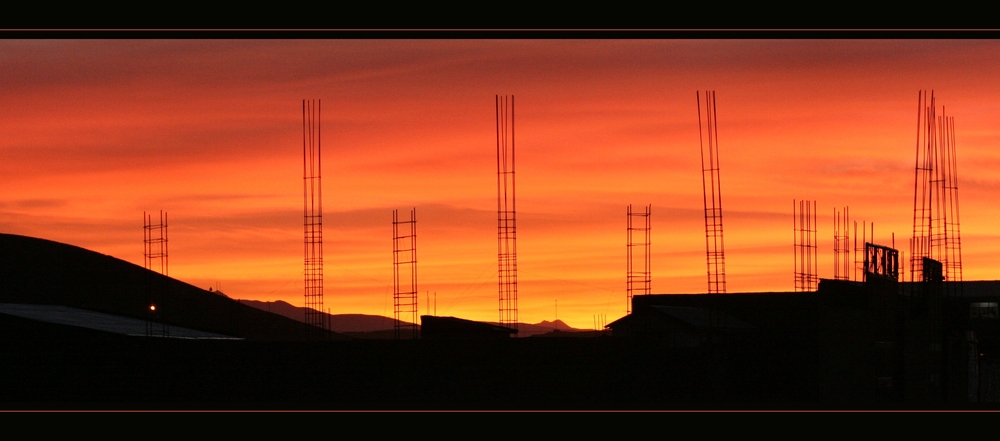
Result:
95,132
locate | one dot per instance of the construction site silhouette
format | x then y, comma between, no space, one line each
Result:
89,329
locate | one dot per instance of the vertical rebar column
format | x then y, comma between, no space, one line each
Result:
813,252
939,195
953,248
404,263
841,244
946,242
155,251
312,211
637,281
715,255
796,240
506,211
936,231
155,243
920,242
804,231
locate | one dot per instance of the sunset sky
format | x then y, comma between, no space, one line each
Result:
97,131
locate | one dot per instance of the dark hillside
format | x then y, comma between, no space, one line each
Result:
38,271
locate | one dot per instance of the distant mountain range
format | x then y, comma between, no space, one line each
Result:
364,323
338,322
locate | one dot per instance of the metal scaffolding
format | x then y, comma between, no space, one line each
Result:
404,266
312,212
506,213
155,243
804,229
953,245
715,254
936,230
155,254
637,280
923,190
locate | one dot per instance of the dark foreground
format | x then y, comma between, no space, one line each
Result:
570,373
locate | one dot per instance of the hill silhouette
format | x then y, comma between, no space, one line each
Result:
338,322
39,271
374,326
